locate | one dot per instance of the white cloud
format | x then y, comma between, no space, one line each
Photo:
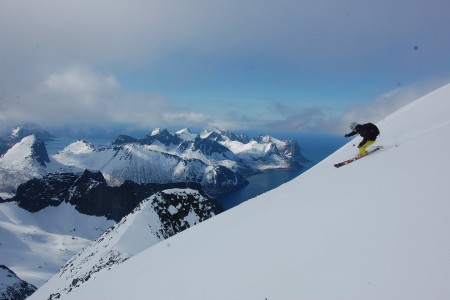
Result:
135,34
80,96
317,118
192,46
386,104
184,117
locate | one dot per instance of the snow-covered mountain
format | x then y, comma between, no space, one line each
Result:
19,132
12,287
27,159
375,229
160,216
81,197
218,160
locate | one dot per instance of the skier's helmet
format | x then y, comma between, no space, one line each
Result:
353,126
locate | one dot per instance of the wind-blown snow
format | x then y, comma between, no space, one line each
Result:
378,228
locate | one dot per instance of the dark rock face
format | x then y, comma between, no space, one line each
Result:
163,136
37,194
173,208
124,139
90,194
39,152
243,138
209,146
4,146
12,287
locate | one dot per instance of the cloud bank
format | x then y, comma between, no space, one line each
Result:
106,63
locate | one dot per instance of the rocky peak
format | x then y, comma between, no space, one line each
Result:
208,146
157,131
12,286
29,148
184,131
87,181
39,152
124,139
20,132
239,137
39,193
211,135
180,209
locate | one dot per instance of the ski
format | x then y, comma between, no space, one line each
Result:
346,162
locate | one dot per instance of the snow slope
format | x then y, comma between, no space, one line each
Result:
378,228
155,219
36,245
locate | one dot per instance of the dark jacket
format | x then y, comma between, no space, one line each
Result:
368,131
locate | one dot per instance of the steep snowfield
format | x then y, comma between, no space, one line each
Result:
36,245
378,228
136,232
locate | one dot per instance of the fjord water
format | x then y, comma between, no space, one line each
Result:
314,146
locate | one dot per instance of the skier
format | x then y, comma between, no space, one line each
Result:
368,132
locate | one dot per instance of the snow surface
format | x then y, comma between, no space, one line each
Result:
378,228
36,245
136,232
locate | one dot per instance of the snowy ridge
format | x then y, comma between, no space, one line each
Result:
144,227
375,229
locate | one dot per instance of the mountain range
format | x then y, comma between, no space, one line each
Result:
51,207
218,160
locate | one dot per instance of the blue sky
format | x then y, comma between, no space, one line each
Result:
240,65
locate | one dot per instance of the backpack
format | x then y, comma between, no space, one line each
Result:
374,129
